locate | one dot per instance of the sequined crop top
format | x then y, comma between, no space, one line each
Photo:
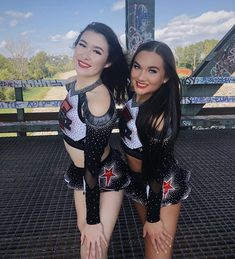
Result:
132,146
82,130
75,117
129,136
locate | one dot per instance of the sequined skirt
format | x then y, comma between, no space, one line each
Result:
175,187
113,174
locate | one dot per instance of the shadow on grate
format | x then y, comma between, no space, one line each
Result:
37,215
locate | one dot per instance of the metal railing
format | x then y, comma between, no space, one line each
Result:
195,91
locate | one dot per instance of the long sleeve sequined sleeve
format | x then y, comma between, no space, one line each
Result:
161,154
154,201
98,131
96,140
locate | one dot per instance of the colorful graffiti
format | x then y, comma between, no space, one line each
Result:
32,83
221,60
226,64
207,80
60,83
140,24
212,99
29,104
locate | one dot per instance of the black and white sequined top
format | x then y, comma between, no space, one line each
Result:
84,131
132,146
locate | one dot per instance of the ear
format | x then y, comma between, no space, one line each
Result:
108,65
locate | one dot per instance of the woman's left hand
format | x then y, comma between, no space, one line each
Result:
160,238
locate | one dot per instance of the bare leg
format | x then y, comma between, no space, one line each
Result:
80,206
169,216
110,204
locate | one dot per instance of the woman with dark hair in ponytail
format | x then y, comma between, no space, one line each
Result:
97,173
149,126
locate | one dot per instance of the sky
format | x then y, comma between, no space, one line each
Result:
53,25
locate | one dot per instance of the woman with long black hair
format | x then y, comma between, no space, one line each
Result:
149,126
87,117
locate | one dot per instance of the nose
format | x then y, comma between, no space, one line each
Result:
86,53
141,75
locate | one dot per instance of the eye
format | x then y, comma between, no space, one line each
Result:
135,66
98,52
152,71
81,44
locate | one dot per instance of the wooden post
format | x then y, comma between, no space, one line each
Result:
20,112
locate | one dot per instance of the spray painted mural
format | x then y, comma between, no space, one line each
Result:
221,61
32,83
139,23
225,63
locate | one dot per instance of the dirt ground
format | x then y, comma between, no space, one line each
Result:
57,93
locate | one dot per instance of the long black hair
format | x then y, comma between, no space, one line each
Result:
161,112
115,77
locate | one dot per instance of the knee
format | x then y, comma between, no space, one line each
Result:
83,252
150,253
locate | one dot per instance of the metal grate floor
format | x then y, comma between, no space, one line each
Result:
37,215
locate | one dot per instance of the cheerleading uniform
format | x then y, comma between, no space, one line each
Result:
84,131
169,184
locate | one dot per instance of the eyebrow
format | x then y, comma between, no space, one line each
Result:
96,47
151,67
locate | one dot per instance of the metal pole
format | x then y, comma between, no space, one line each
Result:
140,18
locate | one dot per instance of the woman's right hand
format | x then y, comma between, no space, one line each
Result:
92,236
160,238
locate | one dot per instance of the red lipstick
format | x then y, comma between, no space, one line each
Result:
83,64
141,84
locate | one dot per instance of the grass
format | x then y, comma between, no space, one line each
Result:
30,94
7,110
35,93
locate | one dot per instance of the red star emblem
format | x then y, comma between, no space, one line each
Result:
167,186
108,173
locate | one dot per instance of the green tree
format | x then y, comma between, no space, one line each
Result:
37,66
61,63
6,68
19,52
192,55
6,73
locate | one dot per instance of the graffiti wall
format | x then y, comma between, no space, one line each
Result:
139,23
224,62
29,104
32,83
207,80
221,61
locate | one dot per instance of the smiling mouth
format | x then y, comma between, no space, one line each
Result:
83,64
141,85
